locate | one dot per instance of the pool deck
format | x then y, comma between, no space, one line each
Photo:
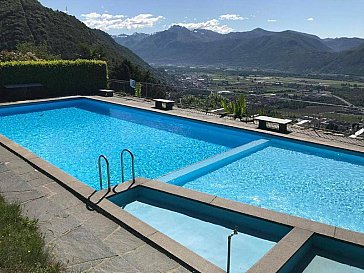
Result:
91,234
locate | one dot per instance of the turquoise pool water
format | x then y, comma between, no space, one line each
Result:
205,239
320,184
324,265
72,134
327,186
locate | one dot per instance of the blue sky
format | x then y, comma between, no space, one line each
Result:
325,18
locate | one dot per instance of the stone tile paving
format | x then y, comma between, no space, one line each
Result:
84,240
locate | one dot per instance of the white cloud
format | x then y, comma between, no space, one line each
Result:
272,20
107,21
233,17
212,24
310,19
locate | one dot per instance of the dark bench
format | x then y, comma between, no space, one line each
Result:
168,104
12,92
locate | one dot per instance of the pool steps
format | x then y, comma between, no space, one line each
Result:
213,163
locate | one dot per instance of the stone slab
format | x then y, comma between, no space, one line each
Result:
122,241
114,265
145,260
79,246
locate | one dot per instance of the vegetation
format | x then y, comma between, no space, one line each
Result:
354,96
60,77
126,70
236,107
213,101
27,52
351,62
40,29
138,89
21,245
7,56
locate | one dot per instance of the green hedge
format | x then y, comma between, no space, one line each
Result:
60,77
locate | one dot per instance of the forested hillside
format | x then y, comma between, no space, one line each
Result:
64,35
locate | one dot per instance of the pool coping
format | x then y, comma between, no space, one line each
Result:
276,258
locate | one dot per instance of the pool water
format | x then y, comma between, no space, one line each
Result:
72,135
310,181
205,239
324,265
294,180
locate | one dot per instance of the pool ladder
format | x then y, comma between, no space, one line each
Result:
104,158
122,164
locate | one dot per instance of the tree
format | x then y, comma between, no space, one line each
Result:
40,51
92,53
121,71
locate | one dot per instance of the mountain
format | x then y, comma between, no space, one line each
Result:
349,62
270,50
64,35
343,44
282,51
129,40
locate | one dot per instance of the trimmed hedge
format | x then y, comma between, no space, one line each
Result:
60,77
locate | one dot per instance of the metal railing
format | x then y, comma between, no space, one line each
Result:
235,232
122,165
102,157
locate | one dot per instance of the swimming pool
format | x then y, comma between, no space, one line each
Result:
203,228
310,181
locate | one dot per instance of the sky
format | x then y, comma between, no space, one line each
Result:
324,18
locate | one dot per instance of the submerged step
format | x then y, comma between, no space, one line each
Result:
213,163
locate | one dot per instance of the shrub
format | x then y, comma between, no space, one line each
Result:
60,77
236,107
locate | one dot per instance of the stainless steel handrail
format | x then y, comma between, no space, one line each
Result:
107,170
122,164
235,232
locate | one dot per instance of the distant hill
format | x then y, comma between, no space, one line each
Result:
349,62
343,44
283,51
129,40
29,21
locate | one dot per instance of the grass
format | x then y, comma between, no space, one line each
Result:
21,245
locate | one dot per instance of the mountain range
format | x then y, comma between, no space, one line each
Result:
64,35
281,51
